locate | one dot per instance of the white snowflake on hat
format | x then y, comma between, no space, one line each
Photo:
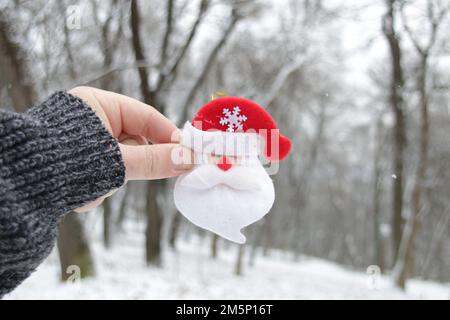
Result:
233,120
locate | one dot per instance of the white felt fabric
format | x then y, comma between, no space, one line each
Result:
220,142
224,202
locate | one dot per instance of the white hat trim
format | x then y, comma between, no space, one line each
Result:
220,142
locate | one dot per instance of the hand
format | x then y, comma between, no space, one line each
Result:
133,123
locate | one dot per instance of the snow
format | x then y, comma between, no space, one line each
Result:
190,273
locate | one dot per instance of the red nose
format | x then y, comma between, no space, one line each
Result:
224,164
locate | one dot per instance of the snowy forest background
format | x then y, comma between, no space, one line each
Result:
361,87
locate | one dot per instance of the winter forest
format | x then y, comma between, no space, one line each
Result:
362,206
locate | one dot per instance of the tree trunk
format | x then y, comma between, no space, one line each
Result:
107,225
154,217
67,43
123,207
397,105
154,224
303,183
267,230
139,55
13,70
239,262
72,247
173,231
378,253
405,264
258,236
439,235
214,246
72,243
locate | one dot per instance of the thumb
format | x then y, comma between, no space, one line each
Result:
149,162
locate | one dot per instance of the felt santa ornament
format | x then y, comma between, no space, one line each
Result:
229,188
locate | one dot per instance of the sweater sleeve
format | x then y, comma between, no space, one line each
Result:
54,158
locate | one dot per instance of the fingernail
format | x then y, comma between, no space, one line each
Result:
182,158
176,136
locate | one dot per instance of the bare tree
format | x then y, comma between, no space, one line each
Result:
173,230
208,64
397,105
13,68
239,260
302,186
154,215
169,76
109,41
154,225
107,217
405,260
73,247
67,42
378,243
108,46
135,22
214,246
124,205
438,238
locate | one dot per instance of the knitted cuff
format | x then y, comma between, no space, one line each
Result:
63,156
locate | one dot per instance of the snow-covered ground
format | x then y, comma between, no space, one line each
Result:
190,273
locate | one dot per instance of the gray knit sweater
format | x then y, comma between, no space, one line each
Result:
54,158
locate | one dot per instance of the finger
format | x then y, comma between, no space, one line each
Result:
176,136
95,203
132,140
90,205
155,161
134,117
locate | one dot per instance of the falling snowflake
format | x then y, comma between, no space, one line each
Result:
233,119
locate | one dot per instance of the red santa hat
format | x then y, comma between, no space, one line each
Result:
237,118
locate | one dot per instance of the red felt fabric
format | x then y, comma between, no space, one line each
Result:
208,118
224,164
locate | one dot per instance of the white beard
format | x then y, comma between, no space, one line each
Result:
224,202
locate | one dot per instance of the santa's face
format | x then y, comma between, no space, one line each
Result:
225,200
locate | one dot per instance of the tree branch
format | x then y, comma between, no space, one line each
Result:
92,78
67,43
165,45
14,69
280,80
167,34
172,72
139,53
207,67
434,20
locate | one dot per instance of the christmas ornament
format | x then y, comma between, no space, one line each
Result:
229,189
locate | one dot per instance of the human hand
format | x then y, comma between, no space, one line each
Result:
133,123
